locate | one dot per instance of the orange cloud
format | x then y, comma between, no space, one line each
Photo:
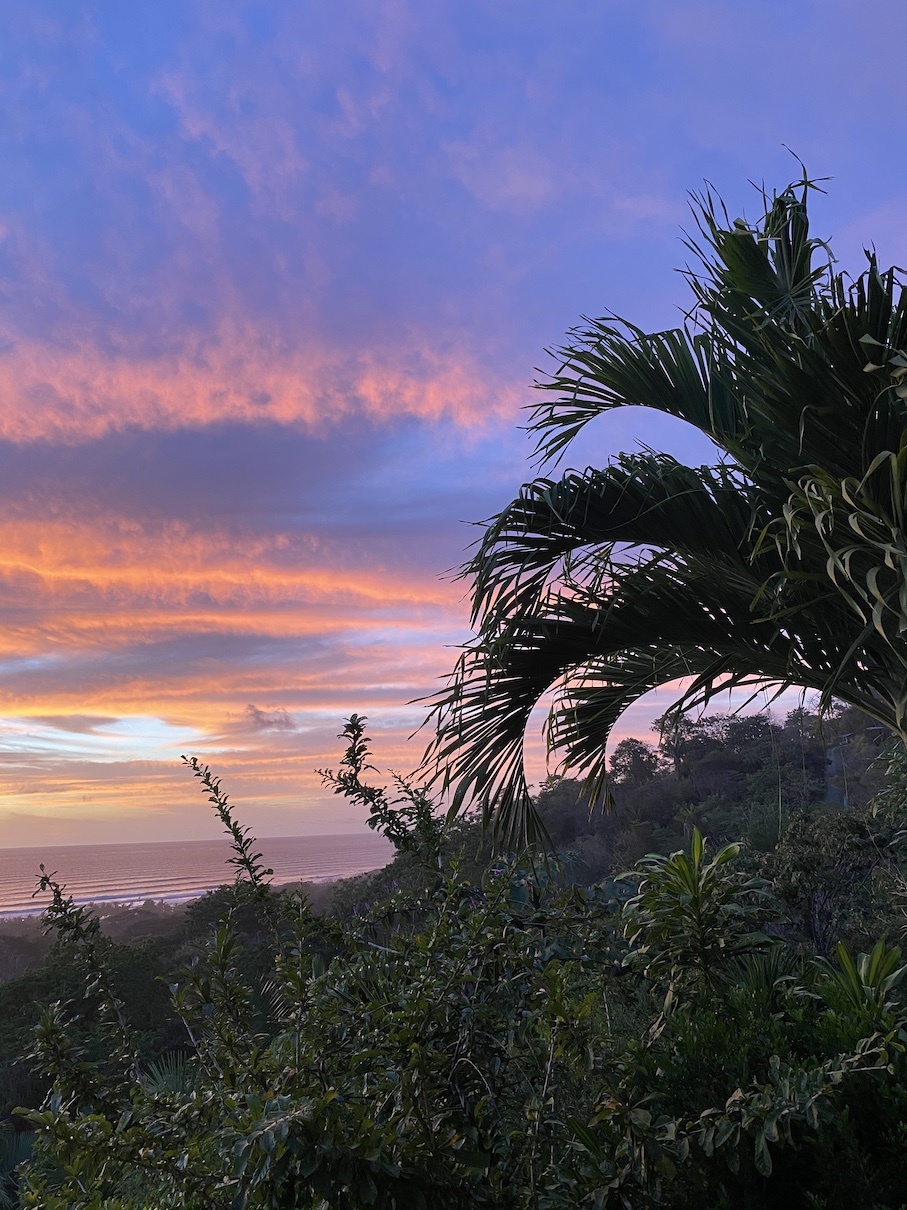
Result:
181,572
123,644
241,374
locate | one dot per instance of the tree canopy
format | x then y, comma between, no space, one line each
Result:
783,564
711,1028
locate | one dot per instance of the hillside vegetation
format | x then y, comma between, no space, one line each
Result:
722,1025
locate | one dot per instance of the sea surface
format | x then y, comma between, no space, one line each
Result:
176,871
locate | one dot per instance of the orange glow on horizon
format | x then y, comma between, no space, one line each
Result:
258,647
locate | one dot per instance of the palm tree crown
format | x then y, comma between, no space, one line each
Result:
785,563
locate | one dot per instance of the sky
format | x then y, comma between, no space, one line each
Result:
275,281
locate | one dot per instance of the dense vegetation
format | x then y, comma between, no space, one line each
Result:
467,1030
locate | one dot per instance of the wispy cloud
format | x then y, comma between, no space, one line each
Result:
268,720
76,394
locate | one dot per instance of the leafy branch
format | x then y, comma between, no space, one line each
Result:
409,822
246,861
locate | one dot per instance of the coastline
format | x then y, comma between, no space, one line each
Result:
176,900
175,874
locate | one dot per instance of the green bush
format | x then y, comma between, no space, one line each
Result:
501,1041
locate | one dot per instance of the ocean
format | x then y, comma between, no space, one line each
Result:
176,871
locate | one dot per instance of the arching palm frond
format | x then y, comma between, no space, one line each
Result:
645,500
786,563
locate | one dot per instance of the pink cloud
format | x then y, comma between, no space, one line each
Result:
516,179
242,373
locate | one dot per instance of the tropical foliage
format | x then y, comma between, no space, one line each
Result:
506,1041
784,563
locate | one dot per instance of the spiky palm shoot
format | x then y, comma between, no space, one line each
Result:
784,564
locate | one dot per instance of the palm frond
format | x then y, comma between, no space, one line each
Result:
171,1072
785,563
645,500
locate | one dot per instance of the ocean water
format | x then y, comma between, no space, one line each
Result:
176,871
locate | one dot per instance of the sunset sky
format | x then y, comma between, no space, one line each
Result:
274,280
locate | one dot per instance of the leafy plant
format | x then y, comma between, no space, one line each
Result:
409,821
782,564
500,1042
15,1148
247,862
692,917
864,986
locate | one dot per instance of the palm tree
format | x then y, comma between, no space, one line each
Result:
783,564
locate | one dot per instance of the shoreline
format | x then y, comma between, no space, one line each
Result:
175,899
173,874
